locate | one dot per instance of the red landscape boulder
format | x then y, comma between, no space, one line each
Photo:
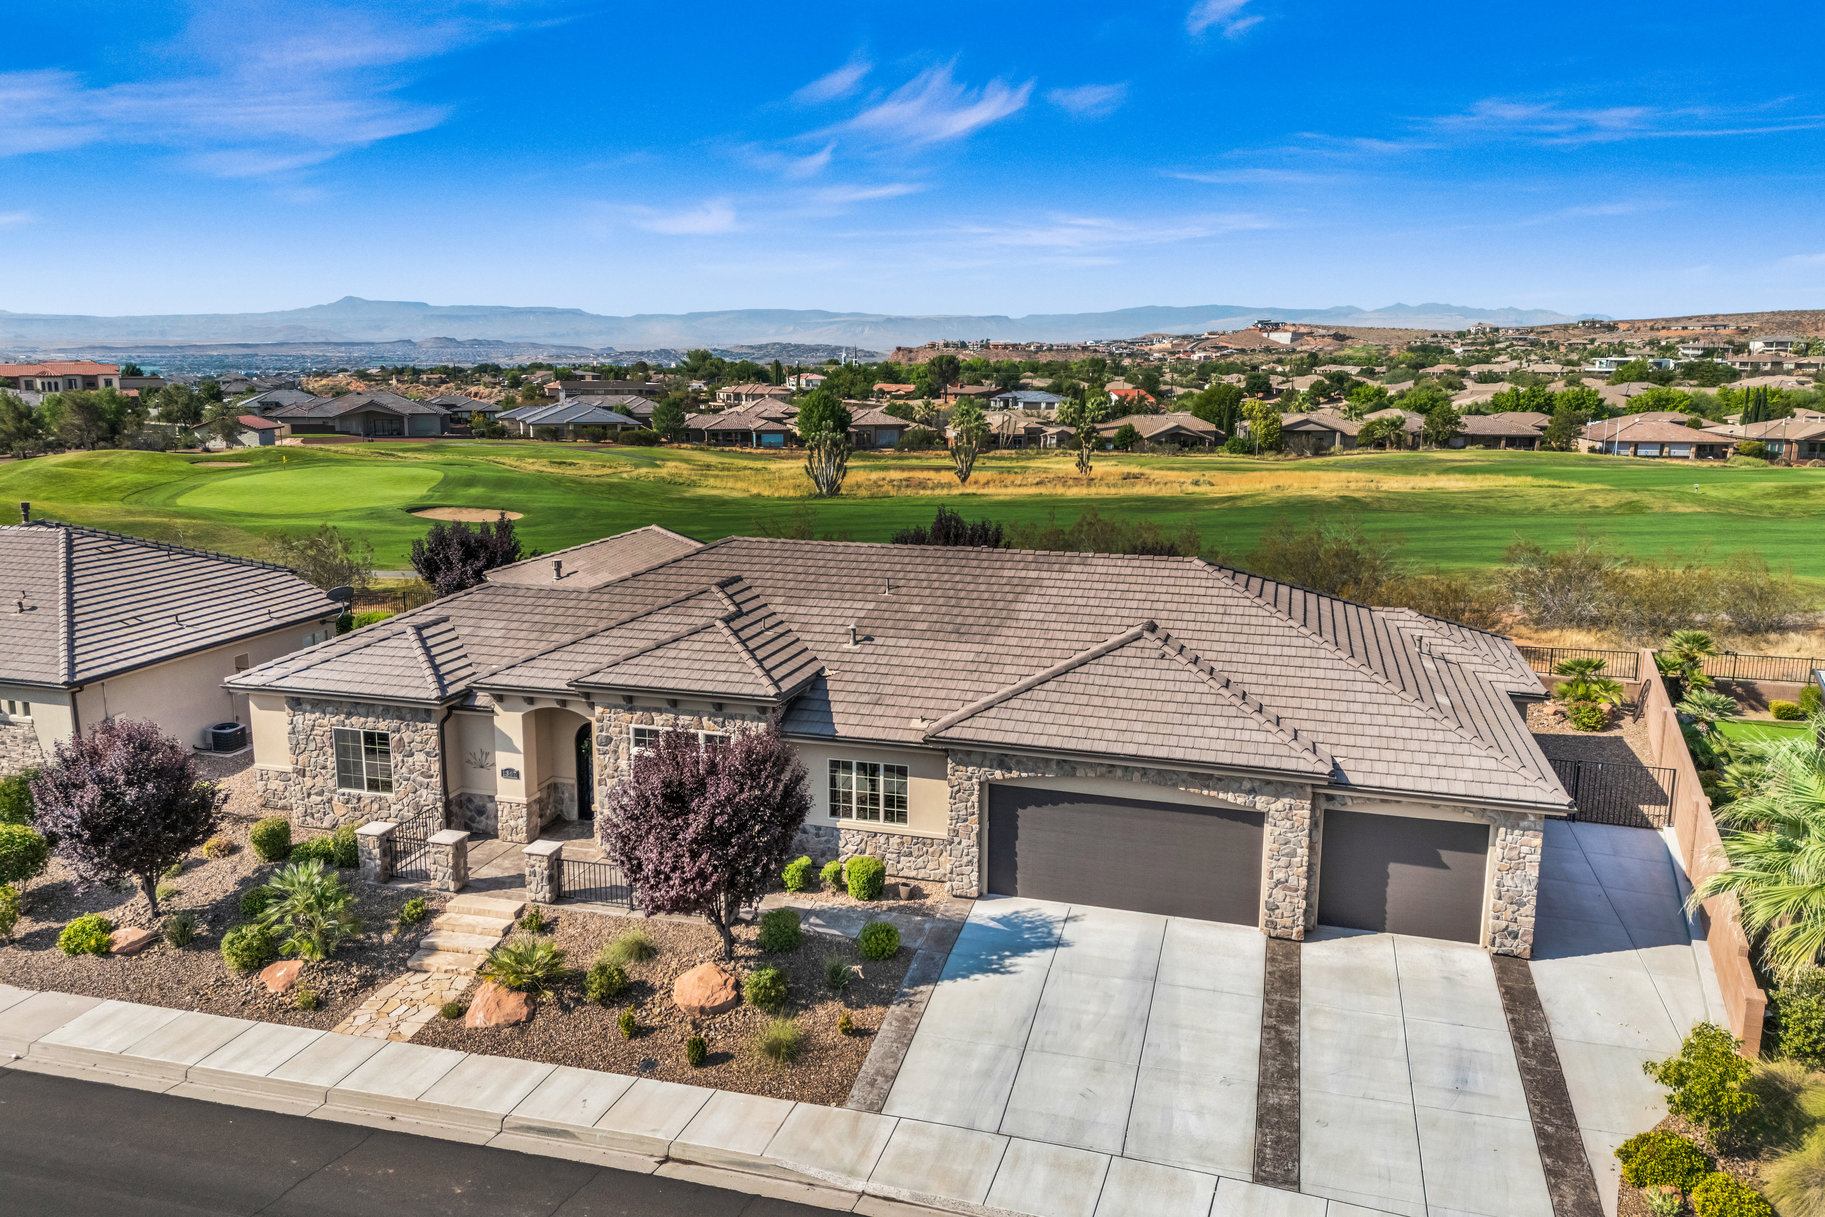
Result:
131,940
497,1006
706,989
280,977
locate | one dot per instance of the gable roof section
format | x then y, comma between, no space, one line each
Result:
417,659
78,604
594,563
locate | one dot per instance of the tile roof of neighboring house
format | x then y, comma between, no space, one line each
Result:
254,422
1795,428
631,404
576,410
1515,423
59,367
1319,420
1409,420
1026,399
875,416
885,387
1628,430
78,604
348,403
748,418
1151,425
272,399
1396,701
456,403
756,389
594,563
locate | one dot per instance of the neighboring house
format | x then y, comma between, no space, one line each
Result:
1412,423
1636,436
976,393
596,387
97,625
1777,343
1609,363
564,417
1131,398
1014,429
264,404
759,426
1185,430
806,380
467,409
1035,401
1799,438
749,393
61,375
373,414
1510,429
1316,431
640,409
886,389
873,427
1156,734
255,432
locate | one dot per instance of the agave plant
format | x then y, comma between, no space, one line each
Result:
1705,708
312,908
1775,855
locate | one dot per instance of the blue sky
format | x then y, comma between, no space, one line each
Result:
1626,158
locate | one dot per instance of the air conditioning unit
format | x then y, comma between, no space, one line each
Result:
226,737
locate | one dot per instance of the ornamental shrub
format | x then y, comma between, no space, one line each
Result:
313,849
1705,1086
414,911
1720,1195
312,909
1796,1181
9,910
865,876
765,988
878,940
524,963
247,947
271,838
797,875
605,982
87,935
16,798
347,852
1800,1009
831,875
219,846
629,1025
24,853
453,1009
255,899
1652,1158
836,972
1664,1201
779,931
180,929
1786,711
845,1023
1811,697
630,946
780,1042
305,998
1586,716
696,1052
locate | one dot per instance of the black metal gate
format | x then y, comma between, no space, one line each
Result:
595,882
412,849
1619,792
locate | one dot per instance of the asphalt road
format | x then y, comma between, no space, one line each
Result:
72,1149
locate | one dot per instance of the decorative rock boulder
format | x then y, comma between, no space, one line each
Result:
131,940
280,977
497,1006
706,989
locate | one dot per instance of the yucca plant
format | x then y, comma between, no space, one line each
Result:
312,908
524,963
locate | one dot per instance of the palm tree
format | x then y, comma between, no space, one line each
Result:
1705,708
1586,667
314,910
1690,648
1775,857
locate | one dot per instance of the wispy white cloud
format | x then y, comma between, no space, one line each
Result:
832,85
1804,260
1085,233
933,107
844,196
1224,16
1252,175
708,218
1551,123
14,219
1089,101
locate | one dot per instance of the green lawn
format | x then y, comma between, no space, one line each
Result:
1759,729
1453,509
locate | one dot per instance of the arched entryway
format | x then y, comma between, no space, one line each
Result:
586,772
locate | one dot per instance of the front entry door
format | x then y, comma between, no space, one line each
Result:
586,773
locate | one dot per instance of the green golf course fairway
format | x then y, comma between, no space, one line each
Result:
1452,509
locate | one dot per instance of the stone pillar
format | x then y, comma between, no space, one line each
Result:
1289,868
545,871
448,852
1515,893
374,848
517,821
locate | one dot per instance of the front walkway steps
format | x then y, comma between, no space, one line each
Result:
439,972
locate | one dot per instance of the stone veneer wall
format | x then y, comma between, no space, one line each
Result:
19,748
308,789
612,743
1287,805
904,855
473,812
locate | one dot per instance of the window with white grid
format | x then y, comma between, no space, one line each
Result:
868,790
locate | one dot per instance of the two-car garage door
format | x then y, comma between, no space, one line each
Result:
1184,860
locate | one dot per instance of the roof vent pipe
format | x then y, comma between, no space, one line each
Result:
557,568
852,637
25,513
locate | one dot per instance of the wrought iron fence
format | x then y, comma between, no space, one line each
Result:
1619,792
596,882
1621,665
1786,668
412,848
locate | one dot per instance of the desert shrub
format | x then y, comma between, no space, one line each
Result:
1792,1100
1796,1181
836,972
865,876
255,899
629,947
1587,715
779,1042
368,617
640,438
630,1026
797,875
167,890
16,797
605,982
1786,711
878,940
247,947
831,875
1811,697
453,1009
1664,1201
314,849
533,921
347,854
1720,1195
9,910
176,868
304,998
312,908
24,853
180,929
779,931
1652,1158
86,935
414,911
271,839
1800,1011
1235,445
1706,1086
845,1023
1755,449
696,1052
524,963
765,988
219,846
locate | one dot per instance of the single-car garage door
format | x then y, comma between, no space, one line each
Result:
1179,859
1402,875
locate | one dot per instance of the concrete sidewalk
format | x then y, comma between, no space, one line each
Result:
829,1157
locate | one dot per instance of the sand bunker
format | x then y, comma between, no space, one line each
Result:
220,464
468,515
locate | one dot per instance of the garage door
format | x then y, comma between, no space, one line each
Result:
1402,875
1172,858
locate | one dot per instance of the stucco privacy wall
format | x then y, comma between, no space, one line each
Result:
1511,892
307,787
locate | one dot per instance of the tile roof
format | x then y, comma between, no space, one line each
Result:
1030,649
1516,423
78,604
1150,425
594,563
336,407
582,410
58,367
1627,430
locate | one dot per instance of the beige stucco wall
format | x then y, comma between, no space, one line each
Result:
469,752
51,713
267,728
927,785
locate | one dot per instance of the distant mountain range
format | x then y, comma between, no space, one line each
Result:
354,320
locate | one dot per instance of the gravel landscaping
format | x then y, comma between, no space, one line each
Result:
194,977
566,1029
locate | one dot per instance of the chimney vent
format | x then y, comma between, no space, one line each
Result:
25,513
557,568
853,641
